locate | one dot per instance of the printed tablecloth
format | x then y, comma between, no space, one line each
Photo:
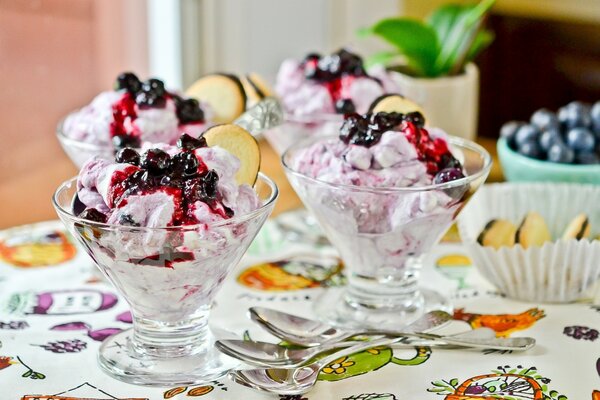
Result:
55,310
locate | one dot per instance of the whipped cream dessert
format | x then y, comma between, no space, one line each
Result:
333,84
136,112
171,242
350,184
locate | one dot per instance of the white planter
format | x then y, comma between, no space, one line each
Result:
449,102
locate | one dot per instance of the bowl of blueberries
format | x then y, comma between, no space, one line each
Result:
553,147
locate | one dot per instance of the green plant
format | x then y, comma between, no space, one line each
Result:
450,36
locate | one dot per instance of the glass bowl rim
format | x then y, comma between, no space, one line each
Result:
452,140
233,220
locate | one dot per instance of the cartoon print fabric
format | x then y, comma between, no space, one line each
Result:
56,310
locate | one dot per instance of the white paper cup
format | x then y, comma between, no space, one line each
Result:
557,272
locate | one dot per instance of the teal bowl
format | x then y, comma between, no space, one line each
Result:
518,168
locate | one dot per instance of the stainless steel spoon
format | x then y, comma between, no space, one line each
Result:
271,355
292,381
309,333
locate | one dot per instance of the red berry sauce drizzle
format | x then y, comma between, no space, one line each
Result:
148,94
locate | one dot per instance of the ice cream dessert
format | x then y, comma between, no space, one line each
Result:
136,112
169,210
336,83
166,225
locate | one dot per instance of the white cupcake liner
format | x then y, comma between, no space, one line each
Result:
557,272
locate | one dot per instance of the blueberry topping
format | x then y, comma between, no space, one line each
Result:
447,175
595,116
416,118
127,219
91,214
581,139
366,131
149,99
154,86
155,161
331,67
344,106
128,155
189,143
587,158
123,141
449,161
128,81
189,110
185,163
575,115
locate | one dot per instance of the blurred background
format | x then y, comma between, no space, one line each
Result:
55,55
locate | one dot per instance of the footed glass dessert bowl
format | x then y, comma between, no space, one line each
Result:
169,276
382,233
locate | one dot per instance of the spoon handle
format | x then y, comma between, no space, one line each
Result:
517,344
354,349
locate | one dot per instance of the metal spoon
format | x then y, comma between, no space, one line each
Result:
308,333
292,381
271,354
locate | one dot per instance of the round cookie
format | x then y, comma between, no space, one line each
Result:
223,92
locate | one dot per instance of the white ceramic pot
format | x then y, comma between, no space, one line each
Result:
449,102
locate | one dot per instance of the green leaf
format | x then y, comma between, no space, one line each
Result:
454,382
413,39
383,58
443,19
27,374
363,32
482,41
464,22
39,375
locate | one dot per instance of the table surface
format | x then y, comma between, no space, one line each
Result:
55,312
26,195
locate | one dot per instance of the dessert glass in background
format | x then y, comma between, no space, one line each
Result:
166,227
382,232
316,93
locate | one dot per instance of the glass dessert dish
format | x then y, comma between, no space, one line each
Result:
382,235
80,151
169,276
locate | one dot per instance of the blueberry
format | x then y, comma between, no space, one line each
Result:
186,162
187,142
189,110
526,133
312,57
127,219
447,175
509,131
209,182
149,99
595,115
344,106
155,86
549,137
155,161
128,81
574,115
350,62
560,153
531,148
448,161
91,214
580,139
122,141
544,119
128,155
416,118
587,158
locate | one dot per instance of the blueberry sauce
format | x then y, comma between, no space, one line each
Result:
143,95
183,176
335,72
367,131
